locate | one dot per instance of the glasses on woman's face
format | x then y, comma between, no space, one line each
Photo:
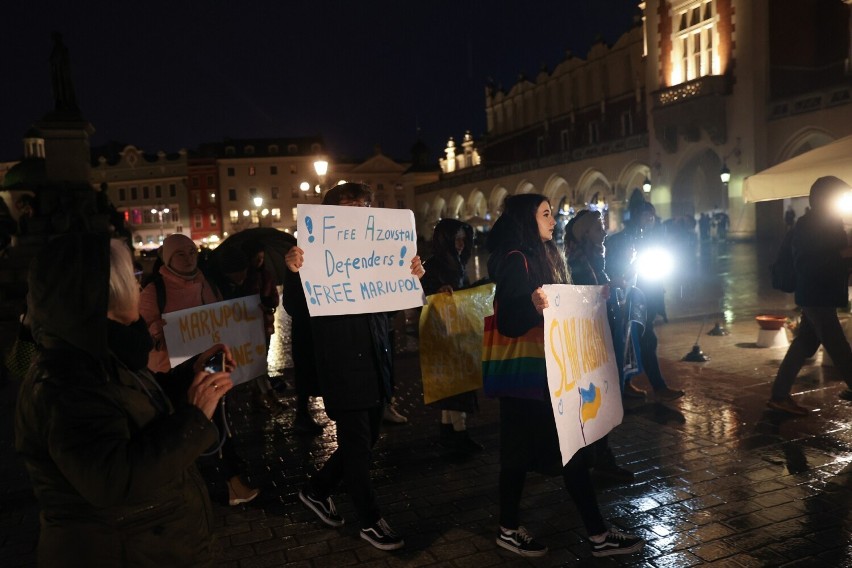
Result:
354,203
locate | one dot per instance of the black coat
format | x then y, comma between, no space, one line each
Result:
821,273
354,360
110,457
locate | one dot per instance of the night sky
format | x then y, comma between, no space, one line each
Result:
169,75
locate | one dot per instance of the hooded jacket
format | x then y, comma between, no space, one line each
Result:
821,272
109,453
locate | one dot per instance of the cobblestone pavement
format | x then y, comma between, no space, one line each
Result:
720,480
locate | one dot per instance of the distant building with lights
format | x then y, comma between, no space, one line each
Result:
696,88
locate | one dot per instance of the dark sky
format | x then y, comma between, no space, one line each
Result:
169,75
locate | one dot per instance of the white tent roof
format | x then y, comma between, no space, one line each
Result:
794,177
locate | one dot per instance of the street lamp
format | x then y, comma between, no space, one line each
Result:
321,168
258,203
158,211
646,185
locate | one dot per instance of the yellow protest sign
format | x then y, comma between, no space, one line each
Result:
236,323
451,327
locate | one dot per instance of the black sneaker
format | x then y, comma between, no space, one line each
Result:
324,508
617,542
382,536
520,542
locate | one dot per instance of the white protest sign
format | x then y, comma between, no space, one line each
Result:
357,259
236,323
582,374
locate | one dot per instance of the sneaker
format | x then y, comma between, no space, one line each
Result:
632,391
614,472
324,508
520,542
382,536
617,542
667,394
239,492
788,405
391,414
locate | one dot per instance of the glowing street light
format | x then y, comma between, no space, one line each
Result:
159,210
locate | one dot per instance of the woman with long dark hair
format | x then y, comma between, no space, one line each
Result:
523,258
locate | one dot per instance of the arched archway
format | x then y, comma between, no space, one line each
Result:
697,187
477,205
495,202
455,207
525,186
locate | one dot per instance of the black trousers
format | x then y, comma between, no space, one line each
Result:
357,433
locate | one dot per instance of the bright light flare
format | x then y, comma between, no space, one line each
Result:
655,264
844,203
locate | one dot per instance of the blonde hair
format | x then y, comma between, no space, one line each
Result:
122,279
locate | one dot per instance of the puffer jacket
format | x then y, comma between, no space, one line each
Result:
110,455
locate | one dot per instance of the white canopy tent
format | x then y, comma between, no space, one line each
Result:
794,177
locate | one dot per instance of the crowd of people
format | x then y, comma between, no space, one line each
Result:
111,432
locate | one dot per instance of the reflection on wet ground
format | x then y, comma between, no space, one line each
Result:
720,479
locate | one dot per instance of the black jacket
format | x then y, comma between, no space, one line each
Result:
821,273
110,456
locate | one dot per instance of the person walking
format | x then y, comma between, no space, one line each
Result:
109,446
523,257
452,245
353,357
821,260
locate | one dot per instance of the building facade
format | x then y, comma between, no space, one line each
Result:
149,190
696,88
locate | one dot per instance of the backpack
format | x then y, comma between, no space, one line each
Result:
156,279
782,270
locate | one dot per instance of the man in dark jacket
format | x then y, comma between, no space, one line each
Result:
821,259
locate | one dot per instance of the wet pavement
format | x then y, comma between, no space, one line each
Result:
720,480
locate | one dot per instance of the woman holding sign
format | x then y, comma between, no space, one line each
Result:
452,245
353,360
523,258
109,446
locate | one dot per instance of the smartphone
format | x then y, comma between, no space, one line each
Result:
216,363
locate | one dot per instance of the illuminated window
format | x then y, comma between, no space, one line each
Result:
212,198
214,220
198,220
694,40
275,213
234,216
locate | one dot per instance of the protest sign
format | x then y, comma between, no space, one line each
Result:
451,341
582,375
357,259
236,323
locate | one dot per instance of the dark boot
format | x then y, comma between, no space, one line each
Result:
446,439
462,442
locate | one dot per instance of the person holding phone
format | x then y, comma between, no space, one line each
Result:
109,446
